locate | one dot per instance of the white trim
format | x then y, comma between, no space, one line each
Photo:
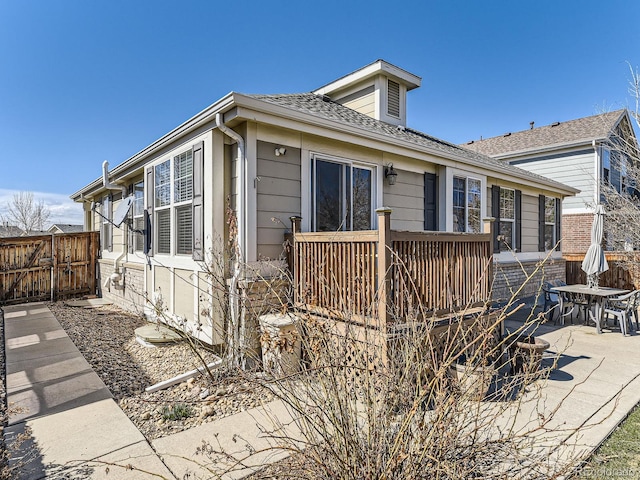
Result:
510,257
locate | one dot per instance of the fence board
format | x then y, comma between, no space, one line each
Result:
624,270
47,266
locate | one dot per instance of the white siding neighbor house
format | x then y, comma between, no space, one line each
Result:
581,153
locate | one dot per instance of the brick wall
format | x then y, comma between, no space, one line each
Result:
510,276
131,297
576,232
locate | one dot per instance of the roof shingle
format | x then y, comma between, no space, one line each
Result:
580,130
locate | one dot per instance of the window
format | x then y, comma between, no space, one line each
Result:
549,223
467,197
342,196
138,216
507,218
173,193
107,228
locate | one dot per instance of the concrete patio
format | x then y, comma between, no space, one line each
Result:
76,430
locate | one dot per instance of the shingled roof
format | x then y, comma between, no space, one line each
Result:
581,130
323,107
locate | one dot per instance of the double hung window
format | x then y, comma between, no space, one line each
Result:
342,195
173,194
107,227
507,218
550,223
138,216
467,201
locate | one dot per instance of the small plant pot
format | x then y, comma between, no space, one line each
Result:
526,354
473,381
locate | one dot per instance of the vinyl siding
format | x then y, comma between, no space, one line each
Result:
278,196
576,171
406,200
365,104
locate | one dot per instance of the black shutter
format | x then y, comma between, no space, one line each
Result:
518,225
148,212
558,223
541,223
198,194
430,202
495,213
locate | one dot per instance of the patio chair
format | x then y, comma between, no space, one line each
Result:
623,309
556,301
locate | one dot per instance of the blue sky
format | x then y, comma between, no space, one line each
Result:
86,81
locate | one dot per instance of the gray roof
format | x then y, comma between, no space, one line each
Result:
558,134
10,231
323,107
67,227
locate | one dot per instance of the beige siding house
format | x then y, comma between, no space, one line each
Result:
331,156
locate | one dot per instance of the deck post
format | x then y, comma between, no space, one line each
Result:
384,263
292,259
490,227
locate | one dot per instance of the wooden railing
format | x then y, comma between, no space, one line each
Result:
383,276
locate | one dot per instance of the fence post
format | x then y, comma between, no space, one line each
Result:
293,255
384,263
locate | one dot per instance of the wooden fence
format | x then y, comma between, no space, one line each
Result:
624,270
385,276
48,267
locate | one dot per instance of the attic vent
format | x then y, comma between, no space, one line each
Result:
555,124
393,98
506,134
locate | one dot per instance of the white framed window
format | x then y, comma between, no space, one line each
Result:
342,195
550,223
138,216
467,204
107,228
507,218
173,195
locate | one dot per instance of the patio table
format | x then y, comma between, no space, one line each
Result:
597,295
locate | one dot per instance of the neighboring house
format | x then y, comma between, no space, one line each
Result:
65,228
327,156
7,230
581,153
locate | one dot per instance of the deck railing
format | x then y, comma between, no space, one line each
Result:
383,276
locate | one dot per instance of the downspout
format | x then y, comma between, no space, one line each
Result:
235,328
116,277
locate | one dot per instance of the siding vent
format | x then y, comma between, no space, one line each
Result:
393,98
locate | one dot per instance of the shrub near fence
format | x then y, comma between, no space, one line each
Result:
624,270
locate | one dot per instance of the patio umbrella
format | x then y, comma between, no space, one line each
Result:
594,262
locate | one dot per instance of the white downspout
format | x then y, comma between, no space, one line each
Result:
241,246
116,277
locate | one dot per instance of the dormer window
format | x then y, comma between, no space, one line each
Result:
393,98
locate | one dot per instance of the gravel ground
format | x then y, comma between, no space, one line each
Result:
105,336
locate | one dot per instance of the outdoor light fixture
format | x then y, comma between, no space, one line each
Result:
280,151
390,174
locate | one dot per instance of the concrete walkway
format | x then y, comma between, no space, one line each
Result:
74,428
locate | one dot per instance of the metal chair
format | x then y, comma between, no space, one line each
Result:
623,309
